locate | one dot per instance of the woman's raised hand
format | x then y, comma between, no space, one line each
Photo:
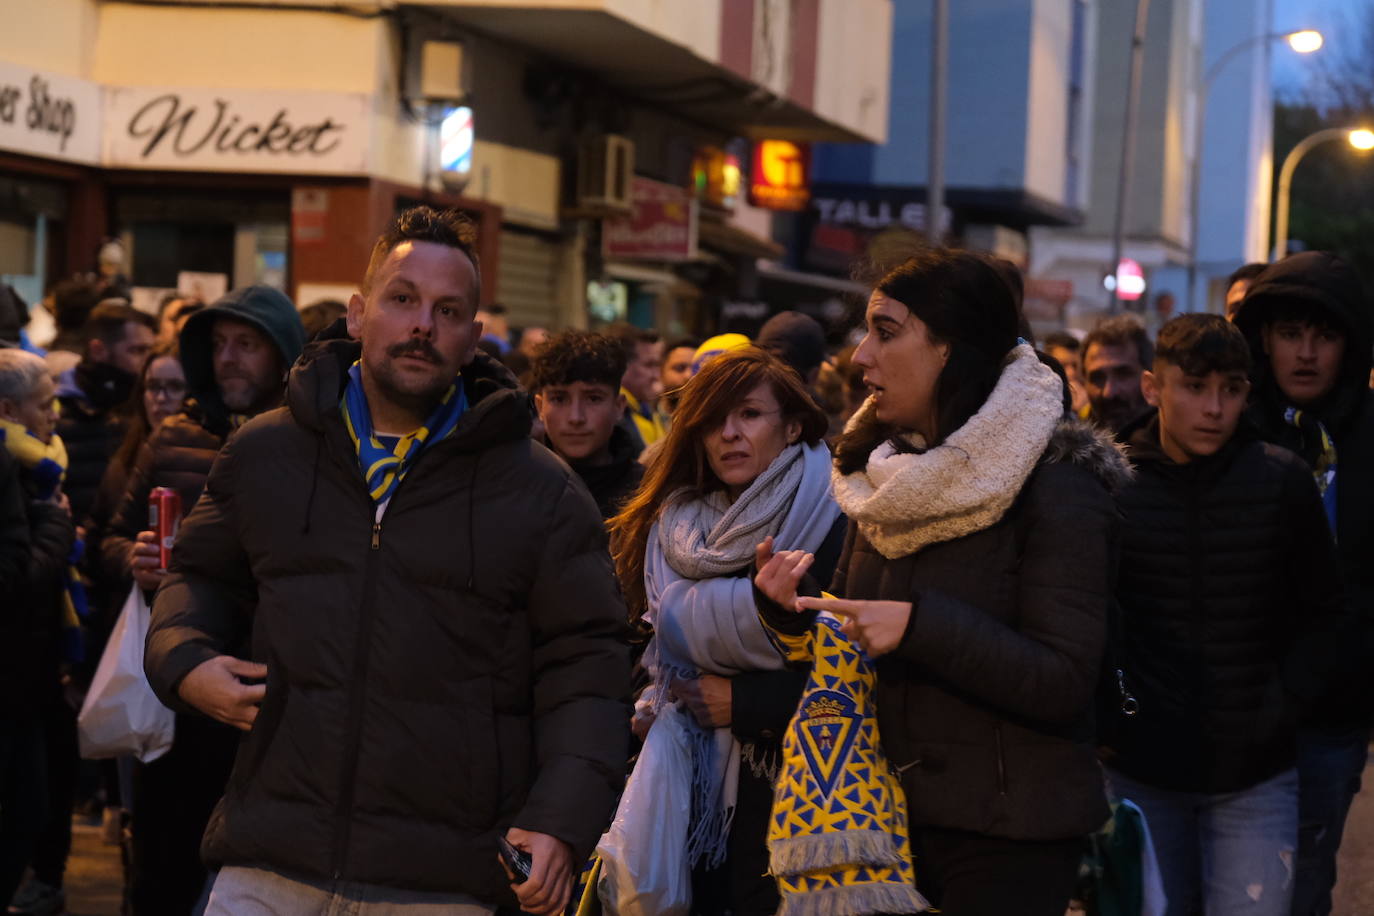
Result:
877,626
780,573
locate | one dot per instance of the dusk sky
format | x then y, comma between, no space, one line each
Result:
1337,20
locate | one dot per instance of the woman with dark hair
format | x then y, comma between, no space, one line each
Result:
744,461
977,573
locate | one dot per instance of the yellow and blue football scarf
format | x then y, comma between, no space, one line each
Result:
45,464
1324,468
384,467
838,842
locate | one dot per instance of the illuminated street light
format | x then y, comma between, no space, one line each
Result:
1360,138
1304,41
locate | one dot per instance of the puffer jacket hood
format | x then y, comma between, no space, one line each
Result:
1091,448
263,307
1329,285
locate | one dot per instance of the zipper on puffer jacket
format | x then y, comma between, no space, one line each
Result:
343,811
1001,761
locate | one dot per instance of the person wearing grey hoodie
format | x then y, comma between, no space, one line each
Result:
235,354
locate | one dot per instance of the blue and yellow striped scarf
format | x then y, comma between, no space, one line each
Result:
838,841
45,464
382,467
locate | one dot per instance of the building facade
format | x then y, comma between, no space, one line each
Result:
229,143
1184,39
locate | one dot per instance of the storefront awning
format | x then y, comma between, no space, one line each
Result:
731,239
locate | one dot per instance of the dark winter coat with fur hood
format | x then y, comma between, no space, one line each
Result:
986,706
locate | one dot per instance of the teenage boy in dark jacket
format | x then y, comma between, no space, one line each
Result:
1228,585
576,385
437,639
1310,331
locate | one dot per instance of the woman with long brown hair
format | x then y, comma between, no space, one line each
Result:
744,461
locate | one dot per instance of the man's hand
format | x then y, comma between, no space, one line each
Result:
147,568
550,883
708,699
214,687
780,573
877,626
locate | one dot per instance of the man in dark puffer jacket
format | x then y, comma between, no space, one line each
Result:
235,355
438,639
1310,331
1228,586
118,340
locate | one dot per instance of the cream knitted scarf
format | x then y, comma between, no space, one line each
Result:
903,502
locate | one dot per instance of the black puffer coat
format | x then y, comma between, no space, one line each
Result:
35,540
434,677
1330,288
91,397
1228,581
986,706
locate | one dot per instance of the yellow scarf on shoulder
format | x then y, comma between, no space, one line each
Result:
838,842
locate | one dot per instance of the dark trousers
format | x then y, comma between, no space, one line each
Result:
174,797
968,874
23,798
1330,766
54,843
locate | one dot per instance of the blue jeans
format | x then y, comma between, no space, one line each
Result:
240,891
1330,764
1226,854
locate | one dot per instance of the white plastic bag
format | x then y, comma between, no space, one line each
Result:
644,870
121,714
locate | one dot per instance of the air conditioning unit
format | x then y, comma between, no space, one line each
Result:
605,165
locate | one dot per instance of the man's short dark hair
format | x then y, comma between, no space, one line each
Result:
578,356
630,337
1303,312
426,224
1063,340
1200,344
317,316
683,343
1122,331
73,301
109,319
1245,272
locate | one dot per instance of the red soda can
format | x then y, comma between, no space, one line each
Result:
164,518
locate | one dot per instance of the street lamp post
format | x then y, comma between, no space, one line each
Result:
1359,138
1303,42
1123,180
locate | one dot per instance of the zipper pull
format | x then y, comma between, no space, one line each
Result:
376,535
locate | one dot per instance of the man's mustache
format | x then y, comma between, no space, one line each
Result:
414,347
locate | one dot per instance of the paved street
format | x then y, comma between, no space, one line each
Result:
93,877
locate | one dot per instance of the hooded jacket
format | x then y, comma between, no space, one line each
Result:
986,705
435,676
179,453
1333,289
1227,584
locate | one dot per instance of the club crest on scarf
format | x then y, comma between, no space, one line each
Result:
827,726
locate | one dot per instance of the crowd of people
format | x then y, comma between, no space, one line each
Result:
874,628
